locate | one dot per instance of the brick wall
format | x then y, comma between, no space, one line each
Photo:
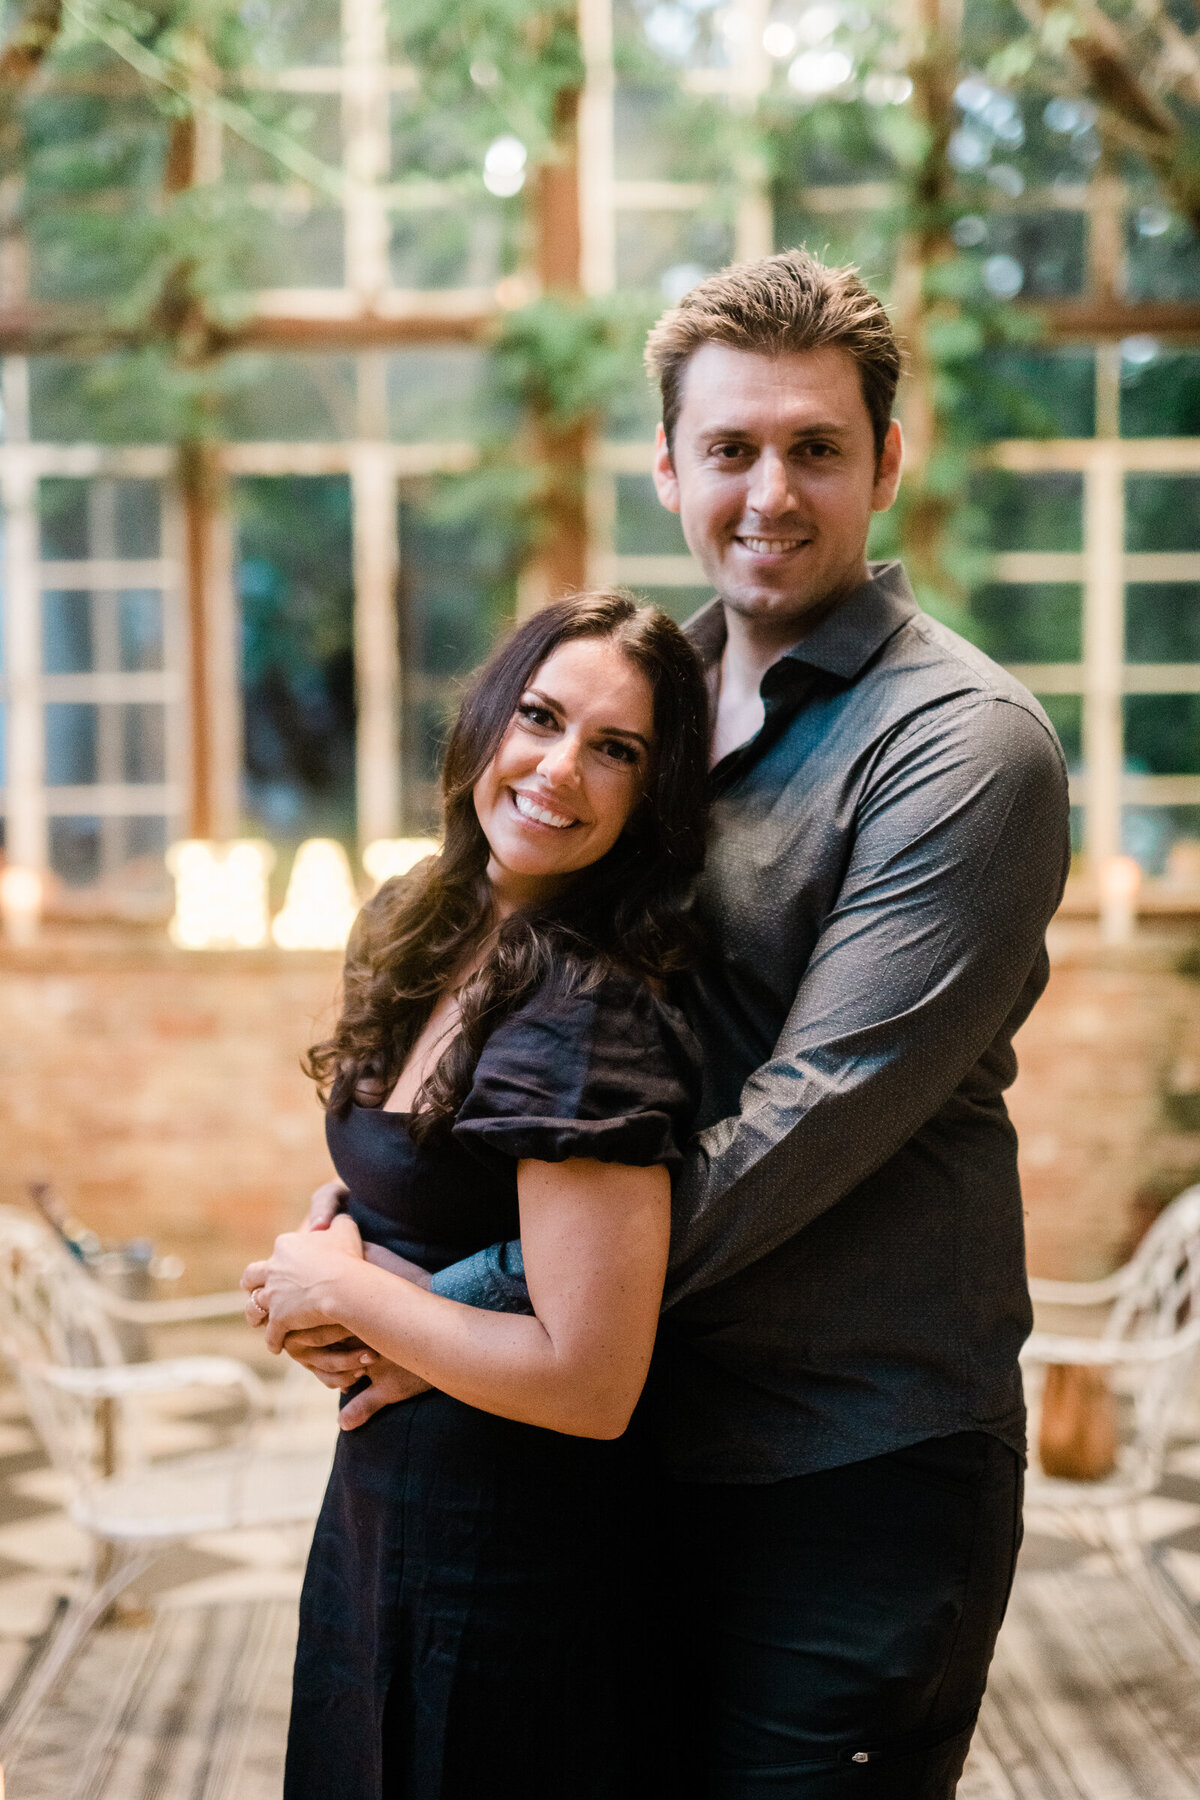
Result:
1107,1102
161,1091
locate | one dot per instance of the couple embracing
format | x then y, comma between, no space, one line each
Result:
674,1276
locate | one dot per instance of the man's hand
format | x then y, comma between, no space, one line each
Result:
333,1357
327,1202
389,1384
337,1360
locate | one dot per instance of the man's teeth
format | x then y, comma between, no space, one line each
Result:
529,809
771,546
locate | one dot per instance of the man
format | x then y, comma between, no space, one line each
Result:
836,1394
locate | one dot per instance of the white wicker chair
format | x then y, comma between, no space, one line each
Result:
89,1409
1148,1344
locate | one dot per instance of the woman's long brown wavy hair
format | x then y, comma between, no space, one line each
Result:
630,910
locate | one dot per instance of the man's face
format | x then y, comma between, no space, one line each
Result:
774,477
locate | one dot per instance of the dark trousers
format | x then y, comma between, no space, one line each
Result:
832,1633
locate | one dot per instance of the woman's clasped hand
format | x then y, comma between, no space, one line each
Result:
295,1288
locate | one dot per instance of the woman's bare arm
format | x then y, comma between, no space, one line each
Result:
595,1237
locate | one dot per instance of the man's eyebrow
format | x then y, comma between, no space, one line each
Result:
605,730
801,431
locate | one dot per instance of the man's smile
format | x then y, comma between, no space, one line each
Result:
770,546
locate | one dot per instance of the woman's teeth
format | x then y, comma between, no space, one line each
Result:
529,809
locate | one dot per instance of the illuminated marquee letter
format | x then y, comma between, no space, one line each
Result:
220,894
321,902
396,856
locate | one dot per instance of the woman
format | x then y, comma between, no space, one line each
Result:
506,1061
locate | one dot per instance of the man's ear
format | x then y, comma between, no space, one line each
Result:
666,482
887,475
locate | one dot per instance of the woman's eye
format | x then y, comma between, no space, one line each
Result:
533,714
619,752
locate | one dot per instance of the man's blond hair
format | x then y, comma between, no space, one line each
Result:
773,306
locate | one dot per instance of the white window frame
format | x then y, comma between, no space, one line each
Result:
27,689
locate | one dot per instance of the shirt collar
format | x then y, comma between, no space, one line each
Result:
845,640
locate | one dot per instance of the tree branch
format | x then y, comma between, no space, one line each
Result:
1131,112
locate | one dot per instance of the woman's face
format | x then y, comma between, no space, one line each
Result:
569,772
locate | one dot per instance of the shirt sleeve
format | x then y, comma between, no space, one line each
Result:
493,1279
611,1073
607,1072
936,941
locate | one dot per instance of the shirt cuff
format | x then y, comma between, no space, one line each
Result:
493,1279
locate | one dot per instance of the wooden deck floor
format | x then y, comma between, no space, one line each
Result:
1089,1699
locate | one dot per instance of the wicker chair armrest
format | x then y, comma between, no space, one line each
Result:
1046,1347
1081,1293
171,1312
129,1380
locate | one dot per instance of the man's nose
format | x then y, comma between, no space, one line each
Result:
771,488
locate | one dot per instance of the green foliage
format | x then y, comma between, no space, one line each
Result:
561,358
510,60
133,396
555,366
297,608
148,266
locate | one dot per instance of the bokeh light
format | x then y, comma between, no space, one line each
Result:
220,893
321,904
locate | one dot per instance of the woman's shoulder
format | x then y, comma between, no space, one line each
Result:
605,1013
599,1052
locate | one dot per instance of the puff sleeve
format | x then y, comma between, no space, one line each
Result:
610,1072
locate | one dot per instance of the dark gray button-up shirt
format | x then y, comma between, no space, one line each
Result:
847,1264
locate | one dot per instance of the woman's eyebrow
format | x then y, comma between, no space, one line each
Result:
605,730
536,693
619,731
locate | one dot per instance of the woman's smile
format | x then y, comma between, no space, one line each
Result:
569,772
536,811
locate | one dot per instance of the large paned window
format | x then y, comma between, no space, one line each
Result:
1094,600
365,574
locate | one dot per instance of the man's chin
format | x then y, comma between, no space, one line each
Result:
760,603
798,602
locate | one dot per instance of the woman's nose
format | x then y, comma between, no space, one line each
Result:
560,764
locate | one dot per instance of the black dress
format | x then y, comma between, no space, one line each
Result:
470,1622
